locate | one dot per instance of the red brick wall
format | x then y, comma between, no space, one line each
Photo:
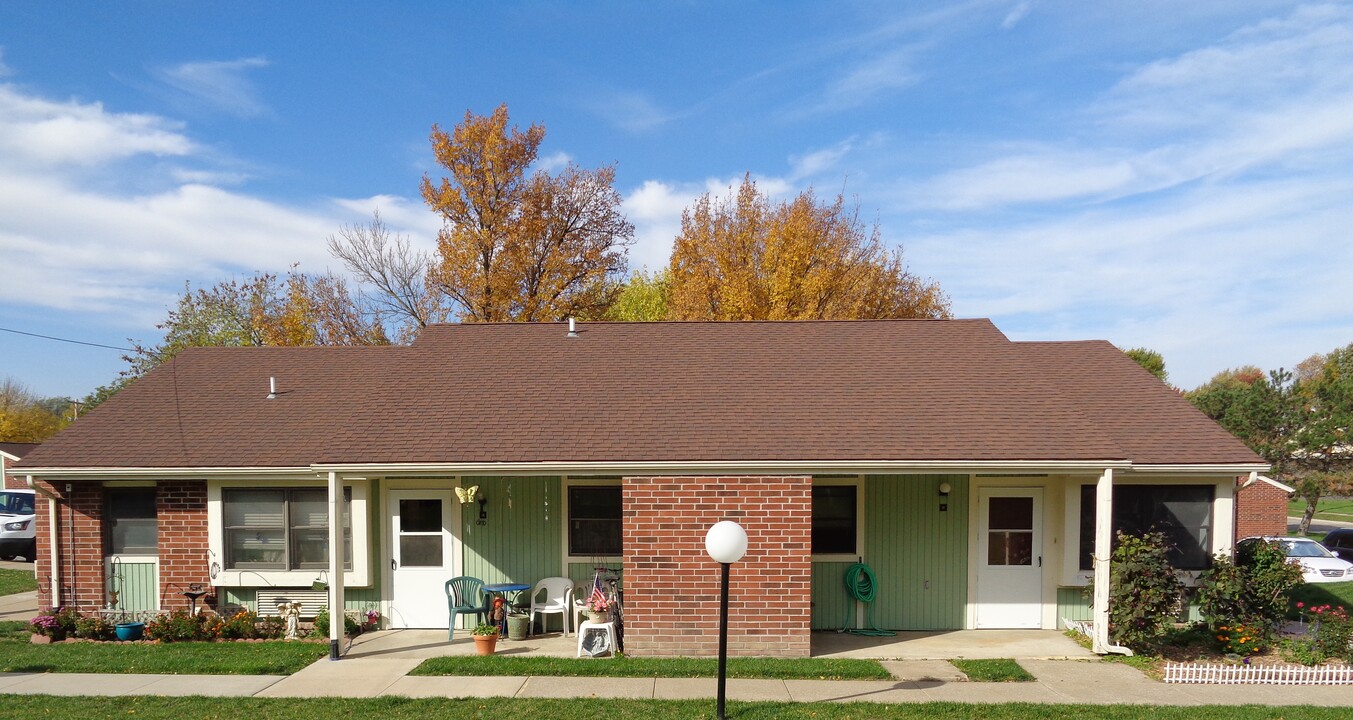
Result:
672,587
80,536
181,506
1261,509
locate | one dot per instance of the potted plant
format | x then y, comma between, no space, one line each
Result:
485,638
598,608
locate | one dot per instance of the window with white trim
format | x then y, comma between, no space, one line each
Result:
835,521
281,528
594,521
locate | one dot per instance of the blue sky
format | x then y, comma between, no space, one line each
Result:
1174,175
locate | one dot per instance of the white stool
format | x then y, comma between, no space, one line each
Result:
603,637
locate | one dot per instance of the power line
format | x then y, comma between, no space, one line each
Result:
77,342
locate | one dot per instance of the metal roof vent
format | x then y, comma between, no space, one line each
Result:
572,328
272,388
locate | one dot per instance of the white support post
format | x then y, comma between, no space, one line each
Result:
336,614
1103,551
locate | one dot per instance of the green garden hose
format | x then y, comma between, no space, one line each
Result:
861,585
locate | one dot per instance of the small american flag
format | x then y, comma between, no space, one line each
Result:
598,599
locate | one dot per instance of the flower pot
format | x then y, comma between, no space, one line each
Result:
597,616
517,626
485,644
130,631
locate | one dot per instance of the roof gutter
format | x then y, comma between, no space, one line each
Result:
55,562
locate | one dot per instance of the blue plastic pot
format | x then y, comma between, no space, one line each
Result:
130,631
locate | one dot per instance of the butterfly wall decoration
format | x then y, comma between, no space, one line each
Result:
466,494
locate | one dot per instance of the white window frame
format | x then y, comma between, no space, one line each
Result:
358,576
570,482
858,482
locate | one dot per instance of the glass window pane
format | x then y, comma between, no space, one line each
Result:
594,526
256,548
420,515
1010,548
420,550
310,547
309,508
1011,513
1182,512
834,522
253,508
132,527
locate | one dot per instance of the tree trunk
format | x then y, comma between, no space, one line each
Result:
1307,514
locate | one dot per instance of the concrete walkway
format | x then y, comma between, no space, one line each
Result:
916,681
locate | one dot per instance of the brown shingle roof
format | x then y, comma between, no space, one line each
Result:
635,392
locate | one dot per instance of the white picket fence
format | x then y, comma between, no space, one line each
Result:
1258,674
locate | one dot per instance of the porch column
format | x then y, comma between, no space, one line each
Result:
336,614
1103,553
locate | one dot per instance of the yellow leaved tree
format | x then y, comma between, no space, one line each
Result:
744,257
516,246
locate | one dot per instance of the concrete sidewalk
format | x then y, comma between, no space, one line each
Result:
917,681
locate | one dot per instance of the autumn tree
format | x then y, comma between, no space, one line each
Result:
1150,360
518,245
26,417
1298,425
744,257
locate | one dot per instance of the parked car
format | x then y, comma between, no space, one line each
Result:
1318,565
17,534
1340,542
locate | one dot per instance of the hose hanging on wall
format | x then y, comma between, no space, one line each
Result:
861,585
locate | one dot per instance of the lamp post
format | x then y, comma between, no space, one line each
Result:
726,543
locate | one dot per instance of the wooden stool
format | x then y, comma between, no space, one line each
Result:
603,635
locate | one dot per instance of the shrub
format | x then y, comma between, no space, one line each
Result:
178,626
1239,639
272,627
1330,636
45,625
237,626
321,628
1251,592
95,628
1144,593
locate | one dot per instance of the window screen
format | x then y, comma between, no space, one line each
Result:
281,529
594,521
1182,512
132,525
834,520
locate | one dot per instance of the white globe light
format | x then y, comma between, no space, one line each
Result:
726,542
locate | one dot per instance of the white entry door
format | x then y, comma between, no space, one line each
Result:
423,557
1010,560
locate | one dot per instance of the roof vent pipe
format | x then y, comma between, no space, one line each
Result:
572,328
272,388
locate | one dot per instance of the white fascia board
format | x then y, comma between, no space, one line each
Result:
7,456
1270,481
1235,468
743,467
109,473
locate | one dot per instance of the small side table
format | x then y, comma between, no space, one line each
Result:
596,639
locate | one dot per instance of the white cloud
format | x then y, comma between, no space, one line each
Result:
818,161
655,209
37,131
1017,13
554,161
887,72
633,112
222,85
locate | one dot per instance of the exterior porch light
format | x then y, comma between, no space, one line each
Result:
726,543
944,496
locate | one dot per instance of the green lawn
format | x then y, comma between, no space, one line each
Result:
16,581
165,708
17,654
997,670
1326,509
765,668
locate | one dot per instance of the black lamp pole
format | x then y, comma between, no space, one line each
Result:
723,640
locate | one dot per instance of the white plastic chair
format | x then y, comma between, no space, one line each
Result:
557,599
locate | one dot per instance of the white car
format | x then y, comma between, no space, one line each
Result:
17,534
1318,565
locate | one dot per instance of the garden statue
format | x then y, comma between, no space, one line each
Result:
291,613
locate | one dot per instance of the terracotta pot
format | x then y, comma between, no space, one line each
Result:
485,644
597,616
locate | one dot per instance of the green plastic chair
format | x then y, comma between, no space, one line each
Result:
461,594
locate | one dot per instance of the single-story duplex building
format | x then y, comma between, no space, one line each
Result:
980,478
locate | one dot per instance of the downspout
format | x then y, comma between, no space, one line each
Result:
337,616
52,518
1103,553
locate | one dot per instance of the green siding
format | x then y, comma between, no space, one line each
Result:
521,541
830,601
1073,604
137,585
918,553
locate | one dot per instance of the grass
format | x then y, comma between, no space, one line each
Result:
760,668
1313,594
1327,509
16,581
17,654
398,708
997,670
